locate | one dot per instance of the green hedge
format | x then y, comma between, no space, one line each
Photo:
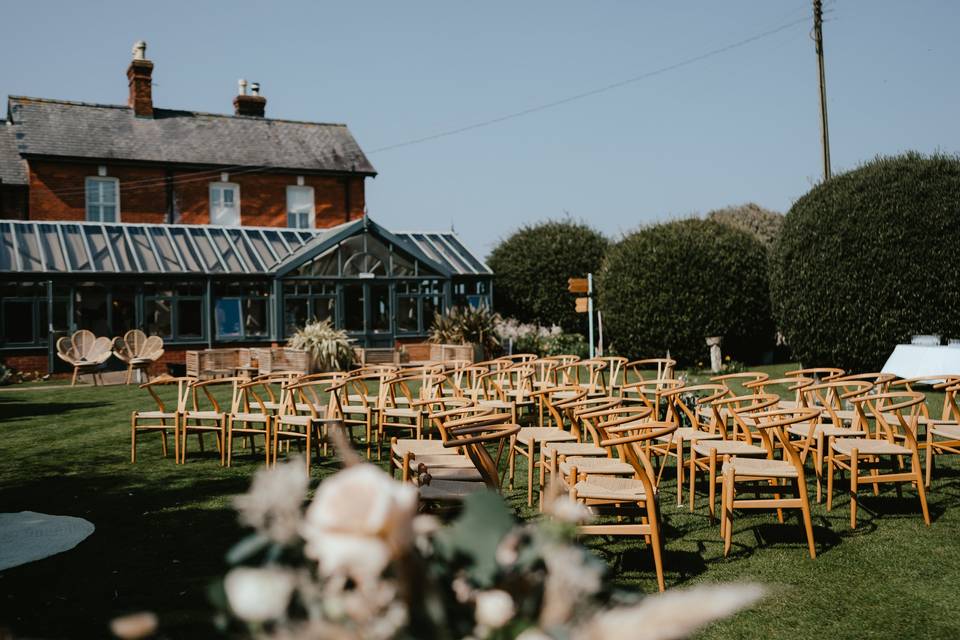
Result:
670,286
753,218
532,266
869,258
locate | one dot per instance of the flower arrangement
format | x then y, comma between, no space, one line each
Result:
358,562
543,341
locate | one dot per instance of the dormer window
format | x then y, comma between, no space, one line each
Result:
300,211
103,199
225,204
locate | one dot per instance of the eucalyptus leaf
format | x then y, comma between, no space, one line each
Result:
246,548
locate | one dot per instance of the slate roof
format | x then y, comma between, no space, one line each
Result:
13,169
111,132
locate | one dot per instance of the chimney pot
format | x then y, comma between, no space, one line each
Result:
253,105
242,84
140,81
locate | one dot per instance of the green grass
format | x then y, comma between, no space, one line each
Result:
162,531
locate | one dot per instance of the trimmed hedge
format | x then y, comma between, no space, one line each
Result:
532,266
672,285
868,259
753,218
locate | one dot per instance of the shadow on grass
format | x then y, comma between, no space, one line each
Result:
14,408
148,553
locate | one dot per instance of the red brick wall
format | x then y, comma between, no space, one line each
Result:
263,199
57,193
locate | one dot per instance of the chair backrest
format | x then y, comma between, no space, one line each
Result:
183,386
312,395
65,350
134,341
887,411
771,425
658,368
203,393
817,373
683,403
576,409
83,341
730,379
649,392
582,373
474,434
552,396
881,381
831,396
733,407
795,384
152,348
628,435
596,420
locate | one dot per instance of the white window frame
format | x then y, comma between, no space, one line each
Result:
225,186
100,203
311,214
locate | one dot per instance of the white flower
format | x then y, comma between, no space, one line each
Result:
274,503
359,519
670,615
360,557
258,595
134,626
494,608
533,633
569,511
570,579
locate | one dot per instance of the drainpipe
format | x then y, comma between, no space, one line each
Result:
210,312
50,345
346,199
277,311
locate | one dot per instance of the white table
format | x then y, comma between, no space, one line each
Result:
918,361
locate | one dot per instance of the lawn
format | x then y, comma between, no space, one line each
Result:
162,531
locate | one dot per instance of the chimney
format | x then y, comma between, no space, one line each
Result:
250,105
139,74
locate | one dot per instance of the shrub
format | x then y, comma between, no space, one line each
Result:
467,326
868,259
672,285
532,266
752,218
329,347
543,341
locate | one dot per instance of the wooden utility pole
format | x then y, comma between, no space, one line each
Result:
824,129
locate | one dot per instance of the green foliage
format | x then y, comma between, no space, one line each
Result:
672,285
532,266
543,341
470,325
752,218
868,259
6,374
329,347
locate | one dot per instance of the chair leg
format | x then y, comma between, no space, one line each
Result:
512,459
133,439
929,457
680,470
655,542
530,462
713,486
830,470
854,478
915,463
73,380
729,482
805,509
229,446
693,478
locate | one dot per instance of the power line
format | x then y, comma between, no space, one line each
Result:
593,92
153,183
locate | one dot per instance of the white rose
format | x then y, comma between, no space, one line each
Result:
569,511
494,608
135,625
533,633
363,501
258,595
360,557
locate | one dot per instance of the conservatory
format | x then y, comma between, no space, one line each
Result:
204,285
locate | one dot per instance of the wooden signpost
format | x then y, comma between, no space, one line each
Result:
584,304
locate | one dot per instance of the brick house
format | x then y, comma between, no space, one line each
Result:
202,228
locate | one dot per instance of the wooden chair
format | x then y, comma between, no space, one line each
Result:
684,405
355,402
612,376
205,413
796,384
249,416
303,416
735,440
817,373
137,351
86,353
896,443
165,419
527,442
650,393
472,436
405,451
828,398
628,497
743,378
943,436
768,474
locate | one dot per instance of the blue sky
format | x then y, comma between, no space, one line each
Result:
741,125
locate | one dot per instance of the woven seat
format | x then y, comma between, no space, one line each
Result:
946,430
250,417
572,449
688,434
204,415
599,466
300,421
440,461
421,447
545,434
728,448
403,413
869,446
459,474
611,488
760,467
156,414
449,490
826,430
